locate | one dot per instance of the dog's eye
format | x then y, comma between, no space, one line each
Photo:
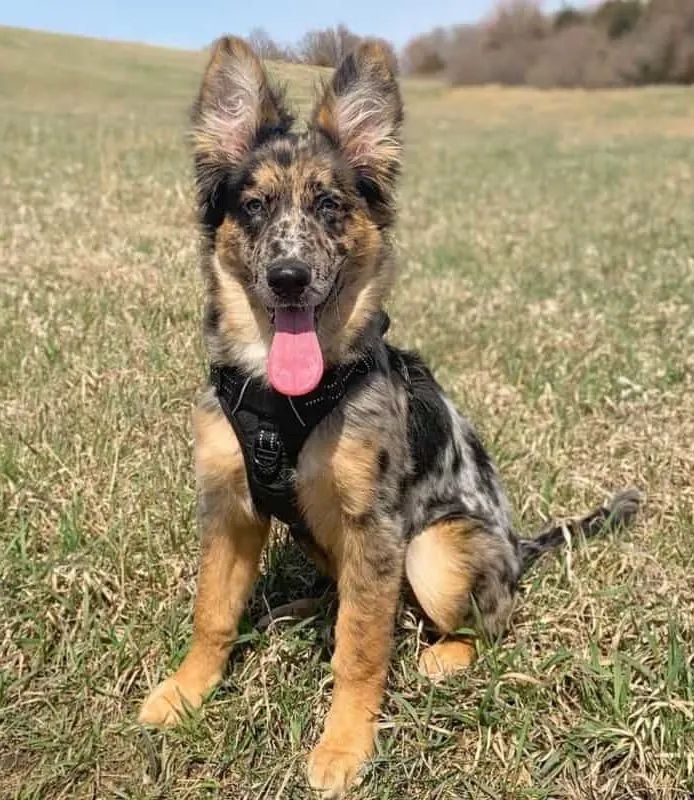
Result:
253,207
327,204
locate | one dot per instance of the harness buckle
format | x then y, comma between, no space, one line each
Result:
267,454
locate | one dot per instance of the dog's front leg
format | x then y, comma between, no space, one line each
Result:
368,586
232,542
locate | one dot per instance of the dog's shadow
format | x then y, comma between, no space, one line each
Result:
290,587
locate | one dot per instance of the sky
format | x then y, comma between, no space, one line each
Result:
195,23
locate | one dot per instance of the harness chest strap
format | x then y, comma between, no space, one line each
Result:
272,428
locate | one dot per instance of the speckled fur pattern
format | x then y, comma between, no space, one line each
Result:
394,484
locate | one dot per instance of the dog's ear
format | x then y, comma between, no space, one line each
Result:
235,108
360,112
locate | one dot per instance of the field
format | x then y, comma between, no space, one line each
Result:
546,248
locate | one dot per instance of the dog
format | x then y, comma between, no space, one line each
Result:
313,418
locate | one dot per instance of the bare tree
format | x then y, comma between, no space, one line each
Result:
328,46
266,47
426,54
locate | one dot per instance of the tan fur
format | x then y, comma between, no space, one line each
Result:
336,490
363,640
219,460
268,180
335,477
231,241
363,643
245,328
446,657
439,568
233,539
367,283
442,563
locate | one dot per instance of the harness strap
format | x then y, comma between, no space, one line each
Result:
272,428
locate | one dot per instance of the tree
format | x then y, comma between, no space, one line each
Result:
328,46
266,47
426,54
618,17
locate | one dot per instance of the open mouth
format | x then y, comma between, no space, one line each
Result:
295,362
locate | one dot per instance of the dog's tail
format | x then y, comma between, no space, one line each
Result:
617,514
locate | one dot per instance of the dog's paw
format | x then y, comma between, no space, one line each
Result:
332,770
445,658
168,703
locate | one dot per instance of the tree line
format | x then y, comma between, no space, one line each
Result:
613,43
616,43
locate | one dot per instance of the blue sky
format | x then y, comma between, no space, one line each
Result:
191,24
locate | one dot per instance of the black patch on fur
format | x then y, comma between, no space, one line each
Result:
380,561
429,428
383,462
283,156
211,319
405,483
362,521
446,508
457,461
211,200
347,75
269,132
379,203
371,192
217,194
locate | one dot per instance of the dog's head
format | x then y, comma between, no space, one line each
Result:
297,225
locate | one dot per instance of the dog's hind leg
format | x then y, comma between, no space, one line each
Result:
463,576
232,542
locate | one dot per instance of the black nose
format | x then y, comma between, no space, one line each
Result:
288,277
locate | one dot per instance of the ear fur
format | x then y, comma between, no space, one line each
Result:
361,113
235,108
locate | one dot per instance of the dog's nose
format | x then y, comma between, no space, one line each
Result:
288,278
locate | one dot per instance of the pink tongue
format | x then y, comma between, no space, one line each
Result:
295,363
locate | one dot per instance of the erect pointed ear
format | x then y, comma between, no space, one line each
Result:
361,113
234,109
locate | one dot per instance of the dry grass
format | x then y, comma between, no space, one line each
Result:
547,274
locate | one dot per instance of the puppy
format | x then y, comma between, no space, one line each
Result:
311,417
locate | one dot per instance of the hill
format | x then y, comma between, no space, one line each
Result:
546,273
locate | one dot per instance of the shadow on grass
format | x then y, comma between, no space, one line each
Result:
287,575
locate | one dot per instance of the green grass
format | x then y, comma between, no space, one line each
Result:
547,272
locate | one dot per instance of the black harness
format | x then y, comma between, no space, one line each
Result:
272,428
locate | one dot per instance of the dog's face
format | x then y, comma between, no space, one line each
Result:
293,221
298,224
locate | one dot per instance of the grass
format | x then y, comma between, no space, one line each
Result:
547,272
